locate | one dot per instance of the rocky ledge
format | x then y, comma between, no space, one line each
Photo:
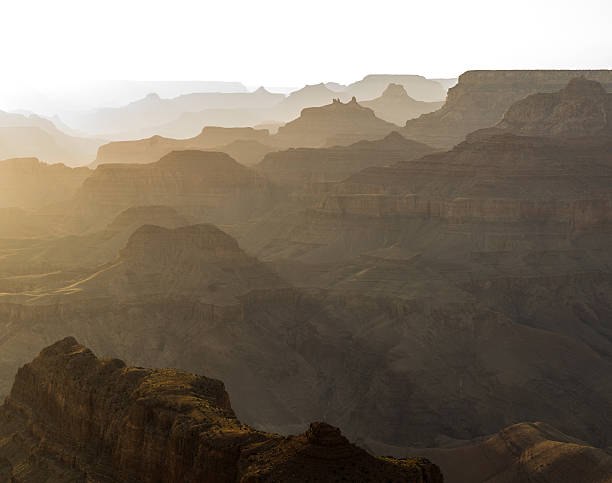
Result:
75,417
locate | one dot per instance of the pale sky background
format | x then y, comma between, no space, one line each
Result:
291,43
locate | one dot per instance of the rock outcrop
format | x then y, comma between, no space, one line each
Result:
333,124
100,420
396,106
480,99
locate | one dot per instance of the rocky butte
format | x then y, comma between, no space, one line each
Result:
73,417
396,106
332,124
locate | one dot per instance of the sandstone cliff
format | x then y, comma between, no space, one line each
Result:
96,419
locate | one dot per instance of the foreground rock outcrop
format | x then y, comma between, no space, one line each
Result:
81,417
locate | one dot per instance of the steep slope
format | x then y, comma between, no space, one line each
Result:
102,420
302,167
335,123
28,183
481,97
152,149
205,185
524,453
396,106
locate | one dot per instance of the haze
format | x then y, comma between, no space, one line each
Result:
260,43
296,242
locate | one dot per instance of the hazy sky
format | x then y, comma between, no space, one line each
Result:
291,43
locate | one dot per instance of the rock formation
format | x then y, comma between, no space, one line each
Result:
302,167
481,98
97,419
335,123
525,169
208,186
152,149
417,87
396,106
195,261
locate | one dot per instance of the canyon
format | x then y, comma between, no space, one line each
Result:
452,304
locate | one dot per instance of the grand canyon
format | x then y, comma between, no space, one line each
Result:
379,278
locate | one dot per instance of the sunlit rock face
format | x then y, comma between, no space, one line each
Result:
71,416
